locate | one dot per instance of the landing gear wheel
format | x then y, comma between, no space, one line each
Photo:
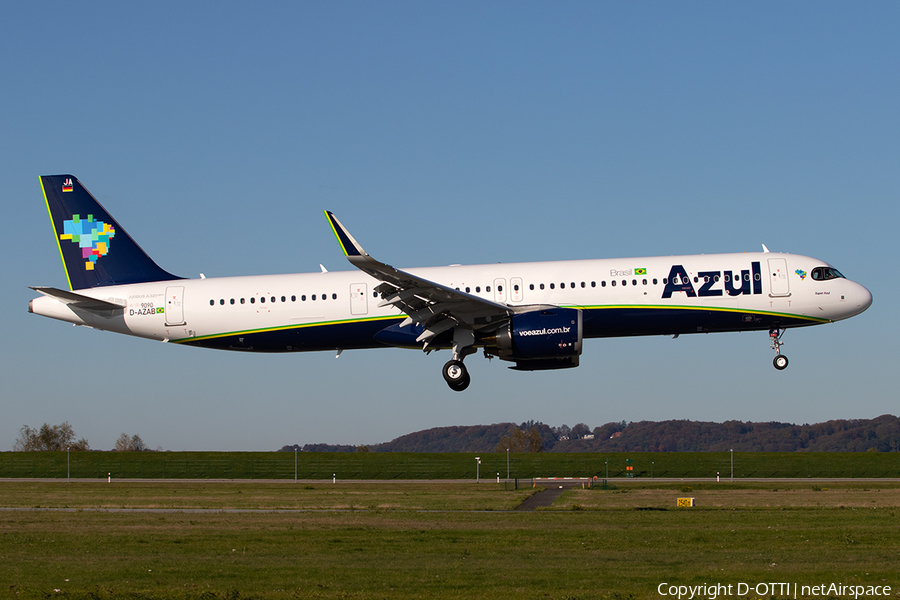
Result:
780,362
458,387
456,375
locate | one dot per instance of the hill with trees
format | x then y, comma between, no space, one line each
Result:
881,434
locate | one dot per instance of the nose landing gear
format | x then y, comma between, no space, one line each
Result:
780,361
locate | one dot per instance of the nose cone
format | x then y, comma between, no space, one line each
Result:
863,298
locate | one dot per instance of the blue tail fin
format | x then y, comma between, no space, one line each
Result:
94,248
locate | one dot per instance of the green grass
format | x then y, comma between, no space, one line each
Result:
611,548
261,496
379,465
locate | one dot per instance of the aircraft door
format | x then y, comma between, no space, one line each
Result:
516,292
175,305
779,284
359,299
500,290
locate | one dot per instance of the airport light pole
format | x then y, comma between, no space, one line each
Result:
477,468
68,467
507,464
295,464
732,465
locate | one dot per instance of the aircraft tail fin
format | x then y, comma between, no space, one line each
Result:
95,250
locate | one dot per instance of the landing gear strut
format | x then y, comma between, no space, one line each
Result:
780,361
455,373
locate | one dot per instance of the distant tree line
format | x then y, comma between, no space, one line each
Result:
881,434
62,437
49,437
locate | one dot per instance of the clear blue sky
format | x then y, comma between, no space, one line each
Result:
442,133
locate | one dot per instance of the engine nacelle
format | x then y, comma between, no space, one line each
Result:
542,339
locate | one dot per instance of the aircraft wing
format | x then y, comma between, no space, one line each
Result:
434,306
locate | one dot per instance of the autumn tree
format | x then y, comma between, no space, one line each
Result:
130,444
48,437
517,441
579,431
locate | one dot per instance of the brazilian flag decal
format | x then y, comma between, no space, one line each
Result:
640,271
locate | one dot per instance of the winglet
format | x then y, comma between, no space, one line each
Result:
766,250
349,245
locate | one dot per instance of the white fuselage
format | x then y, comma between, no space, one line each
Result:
339,310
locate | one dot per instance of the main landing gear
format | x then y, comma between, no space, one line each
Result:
780,361
455,373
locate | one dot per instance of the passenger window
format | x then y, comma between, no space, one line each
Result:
613,283
212,302
655,281
634,282
530,286
645,282
252,300
303,298
516,287
293,298
263,299
283,299
552,286
487,288
242,300
273,299
624,282
582,284
467,290
542,286
562,286
477,289
572,285
499,288
313,297
232,301
593,284
334,296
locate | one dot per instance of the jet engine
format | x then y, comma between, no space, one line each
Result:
549,338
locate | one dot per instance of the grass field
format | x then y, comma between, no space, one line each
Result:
412,465
428,540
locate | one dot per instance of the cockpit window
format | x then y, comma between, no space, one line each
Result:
824,273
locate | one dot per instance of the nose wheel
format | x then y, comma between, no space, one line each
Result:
780,361
456,375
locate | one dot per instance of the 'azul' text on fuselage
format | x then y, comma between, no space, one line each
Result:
748,282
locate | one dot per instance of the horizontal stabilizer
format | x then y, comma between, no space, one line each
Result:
79,300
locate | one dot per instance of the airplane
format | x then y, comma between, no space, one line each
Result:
535,314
